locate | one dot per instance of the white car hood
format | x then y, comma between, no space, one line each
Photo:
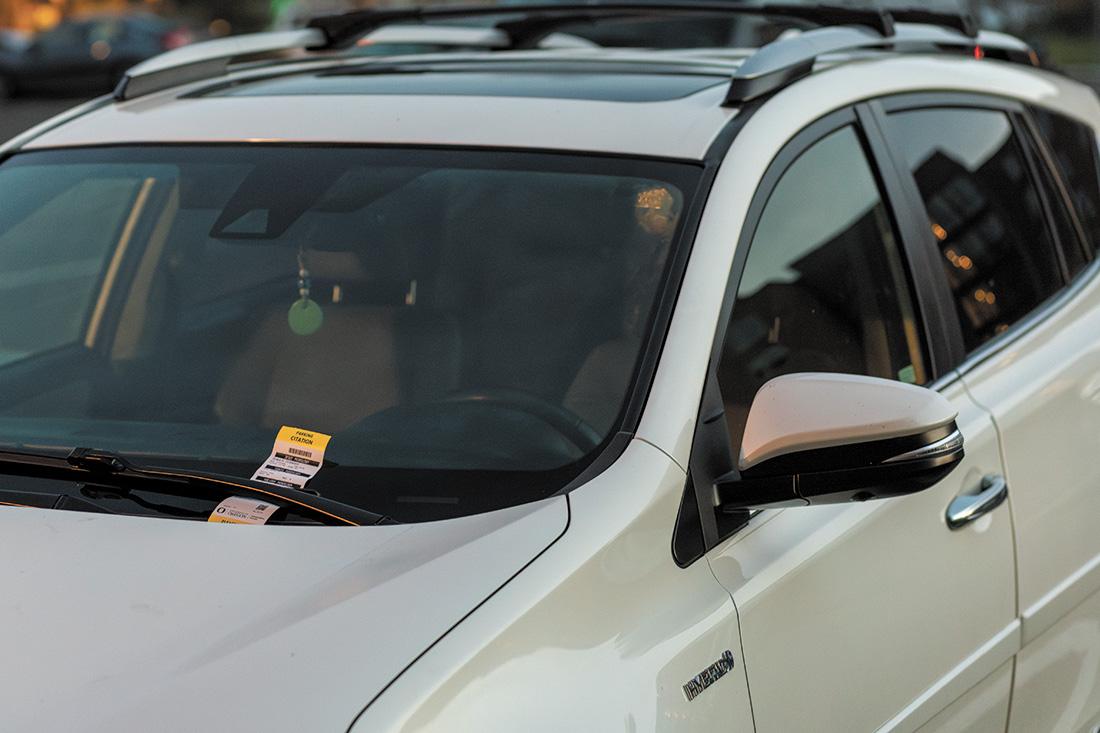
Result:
129,624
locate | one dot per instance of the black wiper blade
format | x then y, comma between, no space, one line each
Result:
110,469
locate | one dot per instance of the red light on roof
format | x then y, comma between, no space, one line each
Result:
979,53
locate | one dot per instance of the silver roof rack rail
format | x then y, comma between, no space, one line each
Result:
440,35
209,59
789,59
53,123
213,58
839,29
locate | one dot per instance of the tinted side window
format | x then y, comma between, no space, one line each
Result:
1073,145
824,288
1071,246
985,212
65,37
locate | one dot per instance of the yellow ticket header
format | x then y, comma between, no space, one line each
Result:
308,438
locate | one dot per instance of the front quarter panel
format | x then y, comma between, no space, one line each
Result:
599,633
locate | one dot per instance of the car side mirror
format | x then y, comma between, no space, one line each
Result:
835,438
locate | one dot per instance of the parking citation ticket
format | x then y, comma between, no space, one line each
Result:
296,458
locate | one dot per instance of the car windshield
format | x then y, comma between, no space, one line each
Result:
467,325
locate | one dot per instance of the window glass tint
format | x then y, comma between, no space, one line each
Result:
1070,247
824,287
65,37
107,31
1073,145
985,213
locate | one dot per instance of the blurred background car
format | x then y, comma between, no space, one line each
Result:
87,55
13,41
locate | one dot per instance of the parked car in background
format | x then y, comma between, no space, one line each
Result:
85,55
13,41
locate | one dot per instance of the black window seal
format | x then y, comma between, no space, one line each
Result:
715,531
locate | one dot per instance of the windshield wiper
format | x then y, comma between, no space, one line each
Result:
103,468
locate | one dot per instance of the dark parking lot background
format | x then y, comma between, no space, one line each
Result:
1067,32
21,114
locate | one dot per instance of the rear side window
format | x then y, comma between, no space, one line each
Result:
985,212
1073,145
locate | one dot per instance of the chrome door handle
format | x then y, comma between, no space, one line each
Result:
968,507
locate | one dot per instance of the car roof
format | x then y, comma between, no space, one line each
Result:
667,104
615,102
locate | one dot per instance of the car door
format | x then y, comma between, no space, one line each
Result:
1028,310
863,616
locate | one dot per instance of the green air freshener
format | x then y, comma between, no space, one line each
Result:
305,317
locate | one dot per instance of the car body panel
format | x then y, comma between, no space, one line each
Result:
1043,389
832,598
599,633
1058,675
983,709
129,616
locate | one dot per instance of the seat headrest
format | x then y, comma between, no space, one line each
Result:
336,266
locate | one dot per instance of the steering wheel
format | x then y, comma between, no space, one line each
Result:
570,425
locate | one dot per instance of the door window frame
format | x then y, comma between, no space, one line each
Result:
699,527
1038,162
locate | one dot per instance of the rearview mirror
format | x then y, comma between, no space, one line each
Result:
834,438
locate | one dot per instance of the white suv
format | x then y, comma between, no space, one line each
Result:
556,381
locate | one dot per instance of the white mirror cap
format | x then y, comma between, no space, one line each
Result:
800,412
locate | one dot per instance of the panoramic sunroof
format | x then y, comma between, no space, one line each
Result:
593,85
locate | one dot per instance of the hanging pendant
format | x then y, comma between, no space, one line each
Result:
305,316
